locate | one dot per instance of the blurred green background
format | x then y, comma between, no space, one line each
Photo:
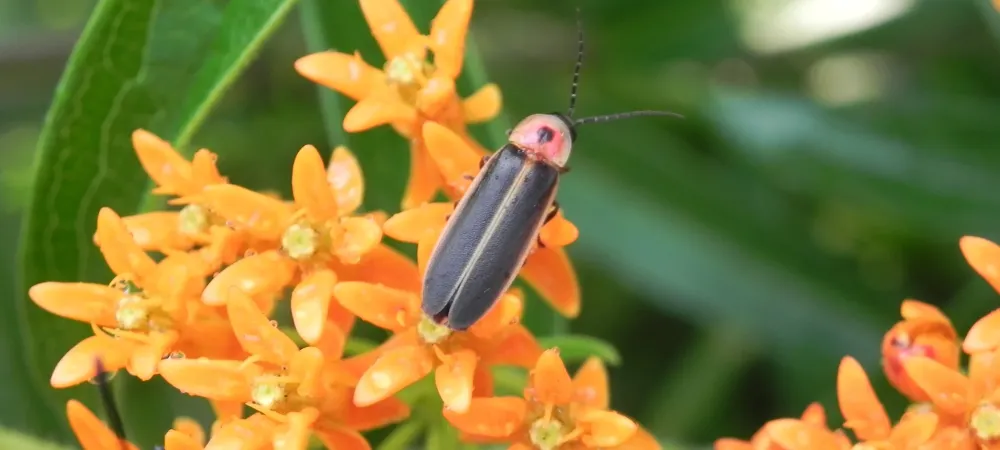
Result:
833,153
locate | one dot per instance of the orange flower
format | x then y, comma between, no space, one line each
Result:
924,331
865,415
172,231
547,269
419,345
95,435
968,405
761,440
296,391
556,412
148,311
984,257
313,240
410,90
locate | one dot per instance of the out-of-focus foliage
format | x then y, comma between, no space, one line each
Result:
832,155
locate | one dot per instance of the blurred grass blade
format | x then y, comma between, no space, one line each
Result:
14,439
575,349
402,436
131,68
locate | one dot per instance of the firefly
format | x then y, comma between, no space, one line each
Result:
496,223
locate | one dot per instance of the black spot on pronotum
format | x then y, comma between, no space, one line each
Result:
545,135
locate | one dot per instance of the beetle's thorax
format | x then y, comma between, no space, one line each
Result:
547,137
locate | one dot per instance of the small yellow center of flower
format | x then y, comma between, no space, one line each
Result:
407,70
193,220
268,394
131,313
985,422
546,434
431,332
300,241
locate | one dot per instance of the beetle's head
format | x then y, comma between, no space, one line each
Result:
547,136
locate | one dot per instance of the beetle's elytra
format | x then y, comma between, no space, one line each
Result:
497,221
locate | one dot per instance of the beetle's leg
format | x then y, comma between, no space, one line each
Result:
448,217
563,170
552,212
482,162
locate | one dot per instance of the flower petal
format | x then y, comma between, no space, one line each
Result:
424,179
344,175
374,111
203,169
863,413
913,430
342,438
175,440
454,378
482,382
145,360
157,231
559,232
383,265
358,236
253,433
394,370
436,96
793,434
295,433
452,155
549,381
516,346
167,168
590,384
917,310
731,444
947,388
606,428
377,415
262,215
79,363
190,428
391,26
256,333
483,105
90,431
85,302
490,416
642,440
310,188
387,308
550,272
984,257
265,273
348,74
814,414
217,380
310,303
412,224
504,313
448,31
120,251
984,335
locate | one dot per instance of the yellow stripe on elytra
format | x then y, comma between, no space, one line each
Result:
491,228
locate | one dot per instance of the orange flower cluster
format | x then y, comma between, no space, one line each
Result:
954,407
195,287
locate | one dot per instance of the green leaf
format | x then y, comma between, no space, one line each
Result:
132,68
577,348
13,439
401,437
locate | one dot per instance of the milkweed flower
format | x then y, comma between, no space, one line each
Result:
547,269
924,331
150,310
556,412
295,391
93,434
409,90
814,414
459,359
314,242
984,257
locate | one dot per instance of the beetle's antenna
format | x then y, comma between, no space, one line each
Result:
108,399
579,64
624,115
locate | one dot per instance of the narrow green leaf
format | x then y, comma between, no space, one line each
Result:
132,68
13,439
401,437
577,348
